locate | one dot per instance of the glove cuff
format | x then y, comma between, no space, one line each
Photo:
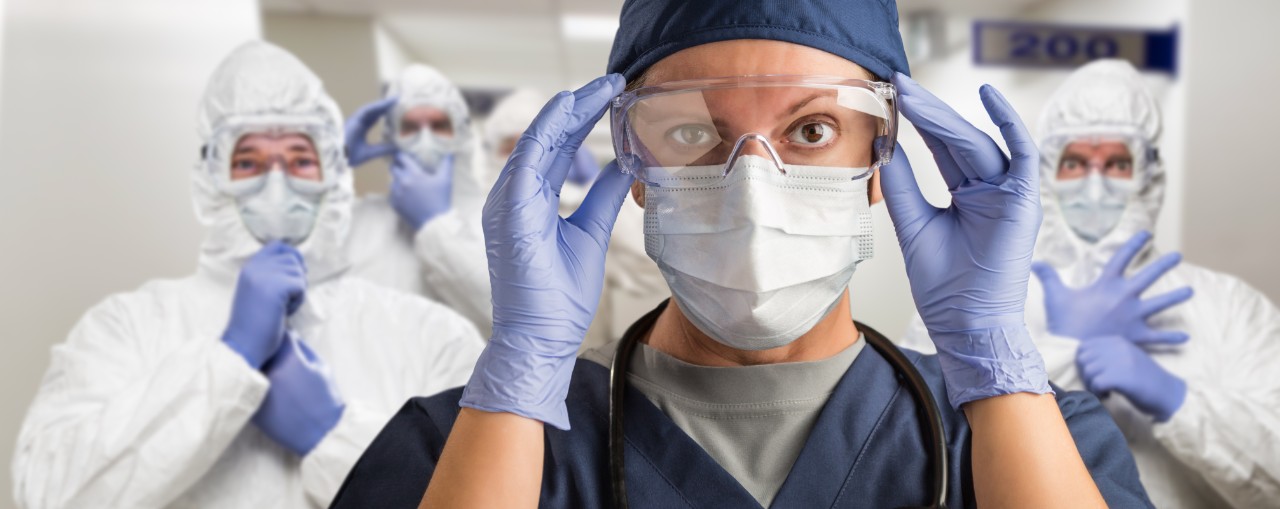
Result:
985,363
519,381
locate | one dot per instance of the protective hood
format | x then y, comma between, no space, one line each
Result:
261,81
422,85
1105,99
510,117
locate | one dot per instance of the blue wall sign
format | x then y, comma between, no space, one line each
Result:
1051,45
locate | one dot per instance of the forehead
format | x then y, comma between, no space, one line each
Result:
424,111
1097,147
750,57
274,140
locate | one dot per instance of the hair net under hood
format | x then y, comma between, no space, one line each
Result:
422,85
1106,98
259,79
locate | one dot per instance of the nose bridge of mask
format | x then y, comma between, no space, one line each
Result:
811,201
1108,192
279,212
1095,187
275,188
426,146
275,180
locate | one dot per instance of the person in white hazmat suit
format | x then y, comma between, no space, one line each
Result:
1191,380
424,235
633,284
259,380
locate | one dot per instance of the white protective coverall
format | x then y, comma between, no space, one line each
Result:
445,259
1222,447
144,406
633,284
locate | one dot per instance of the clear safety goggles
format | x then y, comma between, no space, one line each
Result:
246,175
457,122
1069,164
689,133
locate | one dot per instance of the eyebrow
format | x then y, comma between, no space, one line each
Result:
246,149
298,147
802,104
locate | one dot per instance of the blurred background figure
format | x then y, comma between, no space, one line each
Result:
259,380
424,235
1184,357
93,97
633,285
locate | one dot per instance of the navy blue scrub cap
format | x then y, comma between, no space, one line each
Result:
863,31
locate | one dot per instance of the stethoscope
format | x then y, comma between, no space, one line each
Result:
931,418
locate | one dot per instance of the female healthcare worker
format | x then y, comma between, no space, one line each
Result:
755,131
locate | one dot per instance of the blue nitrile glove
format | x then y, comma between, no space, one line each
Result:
1113,363
584,169
420,194
1112,305
969,263
357,129
302,404
272,285
546,272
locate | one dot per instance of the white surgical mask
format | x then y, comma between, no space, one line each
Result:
758,260
278,212
1093,205
424,145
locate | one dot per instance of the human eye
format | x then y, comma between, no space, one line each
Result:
1123,165
305,167
1071,163
812,133
691,135
244,166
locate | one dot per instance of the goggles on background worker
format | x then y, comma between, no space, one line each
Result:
220,159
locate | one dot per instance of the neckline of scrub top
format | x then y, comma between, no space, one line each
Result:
826,464
741,385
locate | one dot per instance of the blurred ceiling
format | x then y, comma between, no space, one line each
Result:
487,43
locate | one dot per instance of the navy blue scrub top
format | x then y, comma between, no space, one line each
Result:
865,449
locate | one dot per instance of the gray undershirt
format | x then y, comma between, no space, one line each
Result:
753,420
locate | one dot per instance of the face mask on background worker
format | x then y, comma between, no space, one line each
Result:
427,132
1094,183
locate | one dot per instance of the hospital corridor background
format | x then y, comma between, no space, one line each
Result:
100,101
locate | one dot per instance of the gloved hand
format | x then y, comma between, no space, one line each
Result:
1113,363
302,404
357,130
584,169
272,286
546,272
969,263
1112,305
419,194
